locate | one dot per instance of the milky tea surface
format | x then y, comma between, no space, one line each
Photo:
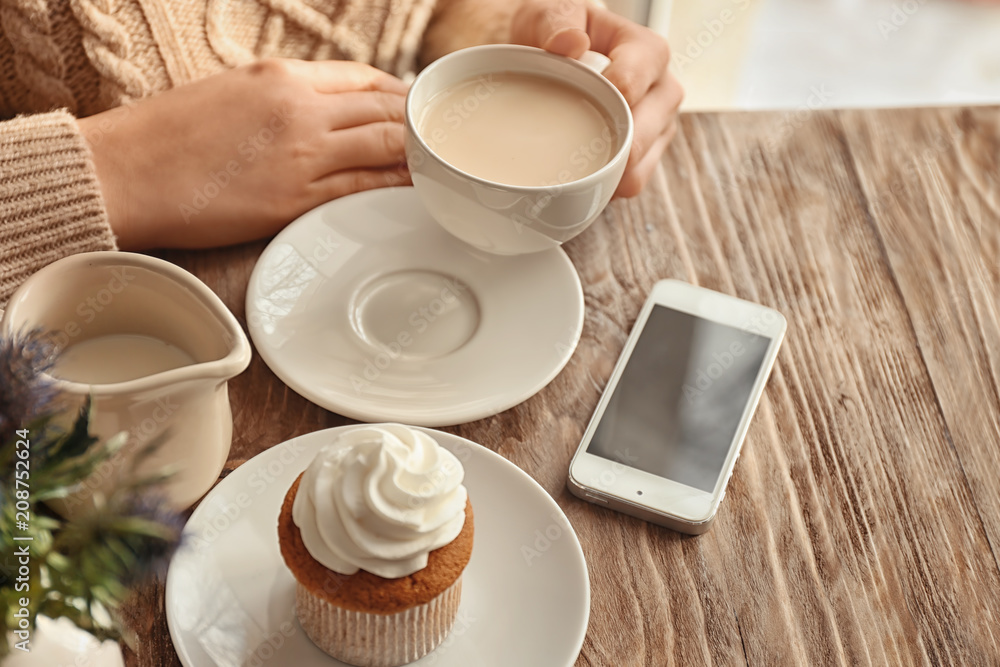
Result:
518,129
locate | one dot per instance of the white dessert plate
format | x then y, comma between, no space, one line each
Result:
525,593
368,308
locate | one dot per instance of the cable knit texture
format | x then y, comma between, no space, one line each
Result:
81,57
50,202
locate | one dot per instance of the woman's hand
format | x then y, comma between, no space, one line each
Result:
639,59
237,156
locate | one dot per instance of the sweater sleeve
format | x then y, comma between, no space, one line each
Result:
399,29
50,200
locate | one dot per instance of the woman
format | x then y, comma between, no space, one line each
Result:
150,123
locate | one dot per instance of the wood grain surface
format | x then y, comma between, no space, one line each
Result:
862,523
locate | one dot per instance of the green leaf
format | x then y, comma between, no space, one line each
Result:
142,527
123,553
80,563
151,480
78,440
59,562
110,594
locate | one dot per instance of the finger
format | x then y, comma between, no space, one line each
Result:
558,27
655,122
361,108
639,57
375,145
349,181
340,76
637,175
655,112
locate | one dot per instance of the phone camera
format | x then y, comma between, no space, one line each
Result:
639,492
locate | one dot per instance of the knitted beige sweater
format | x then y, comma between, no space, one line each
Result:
61,59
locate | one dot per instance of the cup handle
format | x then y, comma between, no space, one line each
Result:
595,61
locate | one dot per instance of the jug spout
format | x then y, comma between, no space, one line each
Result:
154,347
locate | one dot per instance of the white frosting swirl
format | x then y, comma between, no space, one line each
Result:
380,498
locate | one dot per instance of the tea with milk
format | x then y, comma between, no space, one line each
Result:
518,129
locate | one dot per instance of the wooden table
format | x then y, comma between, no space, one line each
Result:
862,524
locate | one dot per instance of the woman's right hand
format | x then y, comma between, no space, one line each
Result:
237,156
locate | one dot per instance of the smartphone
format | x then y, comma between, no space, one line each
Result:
668,428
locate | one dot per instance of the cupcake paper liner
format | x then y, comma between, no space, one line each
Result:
378,640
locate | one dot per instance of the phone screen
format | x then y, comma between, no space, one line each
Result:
678,403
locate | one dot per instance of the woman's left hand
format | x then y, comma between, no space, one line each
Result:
639,60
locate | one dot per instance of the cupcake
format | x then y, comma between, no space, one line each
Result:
377,532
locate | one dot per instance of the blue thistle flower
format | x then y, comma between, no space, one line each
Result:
91,560
26,393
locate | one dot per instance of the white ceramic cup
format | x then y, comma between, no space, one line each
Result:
511,219
96,294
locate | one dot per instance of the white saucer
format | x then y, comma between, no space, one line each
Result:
525,593
368,308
